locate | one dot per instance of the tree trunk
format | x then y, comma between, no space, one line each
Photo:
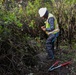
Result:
70,36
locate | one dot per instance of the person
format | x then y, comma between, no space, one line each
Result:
51,28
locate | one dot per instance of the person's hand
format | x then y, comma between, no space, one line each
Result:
43,28
49,33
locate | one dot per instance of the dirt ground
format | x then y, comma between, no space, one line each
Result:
43,69
62,56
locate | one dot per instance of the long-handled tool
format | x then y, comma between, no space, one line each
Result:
61,65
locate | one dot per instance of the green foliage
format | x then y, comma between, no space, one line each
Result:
32,8
64,11
70,2
32,12
19,24
10,18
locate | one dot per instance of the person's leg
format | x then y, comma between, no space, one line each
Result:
53,47
50,46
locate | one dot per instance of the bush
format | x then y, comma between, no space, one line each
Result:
20,32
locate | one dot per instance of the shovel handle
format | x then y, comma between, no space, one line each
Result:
64,64
53,65
61,65
56,63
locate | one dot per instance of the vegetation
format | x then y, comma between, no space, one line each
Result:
21,37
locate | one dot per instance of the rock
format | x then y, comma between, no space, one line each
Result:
42,56
31,74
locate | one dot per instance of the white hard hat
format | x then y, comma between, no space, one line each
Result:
42,11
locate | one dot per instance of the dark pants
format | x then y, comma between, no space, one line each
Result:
50,45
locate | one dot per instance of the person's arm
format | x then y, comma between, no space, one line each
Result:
52,30
51,22
55,30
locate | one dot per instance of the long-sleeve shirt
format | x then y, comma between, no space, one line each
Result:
51,22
